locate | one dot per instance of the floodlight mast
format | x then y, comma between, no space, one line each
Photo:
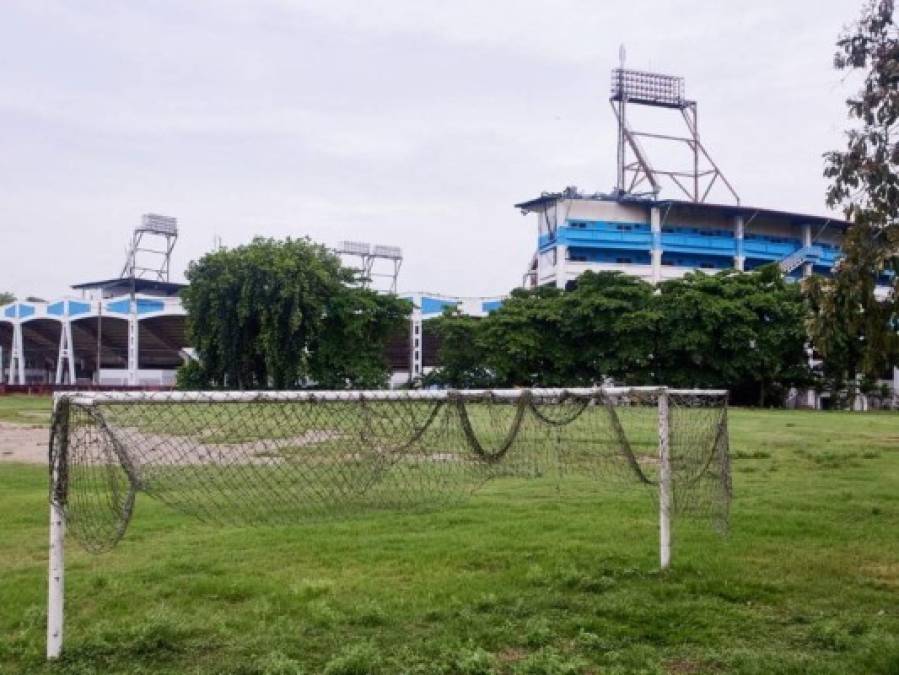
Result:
635,87
144,261
369,255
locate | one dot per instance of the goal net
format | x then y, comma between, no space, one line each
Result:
270,457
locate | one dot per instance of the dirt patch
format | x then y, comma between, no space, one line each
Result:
23,443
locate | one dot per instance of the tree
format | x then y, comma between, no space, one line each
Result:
285,314
350,349
609,324
599,329
741,331
6,298
522,341
853,328
462,360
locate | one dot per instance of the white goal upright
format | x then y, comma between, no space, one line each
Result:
276,457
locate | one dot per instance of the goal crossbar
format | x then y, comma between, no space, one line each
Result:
150,397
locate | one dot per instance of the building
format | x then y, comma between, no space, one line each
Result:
122,332
657,240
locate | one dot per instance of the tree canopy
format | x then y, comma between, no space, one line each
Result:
285,314
740,331
852,327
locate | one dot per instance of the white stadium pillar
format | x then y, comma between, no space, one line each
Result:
807,269
655,226
133,344
65,361
17,356
739,258
561,267
416,341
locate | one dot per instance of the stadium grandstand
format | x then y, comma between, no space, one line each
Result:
124,331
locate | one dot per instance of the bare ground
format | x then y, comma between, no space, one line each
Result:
23,443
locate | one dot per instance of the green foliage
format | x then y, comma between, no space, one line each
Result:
191,376
349,351
745,332
741,331
6,297
599,329
283,314
462,359
853,329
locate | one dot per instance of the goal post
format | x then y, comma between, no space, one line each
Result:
274,457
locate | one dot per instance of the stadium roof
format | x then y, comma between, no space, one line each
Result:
726,209
138,285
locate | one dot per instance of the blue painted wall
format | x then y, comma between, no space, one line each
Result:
605,241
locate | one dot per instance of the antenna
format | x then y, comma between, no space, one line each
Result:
143,260
635,87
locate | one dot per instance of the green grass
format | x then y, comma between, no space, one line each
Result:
24,409
518,579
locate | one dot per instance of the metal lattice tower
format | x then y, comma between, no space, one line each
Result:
388,260
150,251
634,87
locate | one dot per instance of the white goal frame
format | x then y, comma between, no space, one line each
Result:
56,577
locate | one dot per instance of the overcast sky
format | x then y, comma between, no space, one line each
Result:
417,123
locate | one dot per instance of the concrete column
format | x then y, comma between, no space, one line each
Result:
65,361
739,258
17,356
655,226
561,266
416,340
807,268
133,345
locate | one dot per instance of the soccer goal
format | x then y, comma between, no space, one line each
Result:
278,457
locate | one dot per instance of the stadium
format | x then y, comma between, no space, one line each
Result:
639,449
130,331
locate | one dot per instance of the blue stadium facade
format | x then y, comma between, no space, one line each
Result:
664,239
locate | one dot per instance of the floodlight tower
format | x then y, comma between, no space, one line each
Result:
369,256
634,87
144,259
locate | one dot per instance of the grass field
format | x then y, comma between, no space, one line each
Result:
519,579
25,409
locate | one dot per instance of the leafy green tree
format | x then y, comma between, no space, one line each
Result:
285,314
351,347
522,341
741,331
853,328
608,324
462,360
6,298
600,329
